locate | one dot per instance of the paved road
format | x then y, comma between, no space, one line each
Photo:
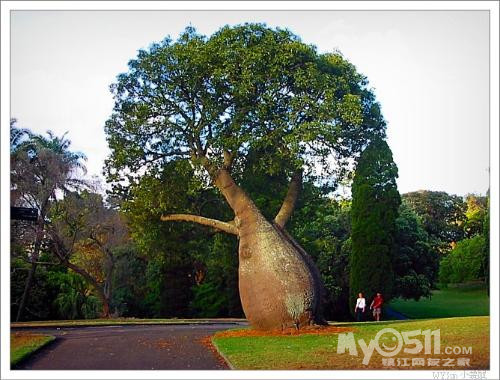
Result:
157,347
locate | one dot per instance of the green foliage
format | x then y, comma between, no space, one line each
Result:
130,291
245,88
171,189
465,262
415,261
42,291
375,203
477,208
443,216
266,190
74,299
207,300
215,292
55,293
175,254
322,227
486,233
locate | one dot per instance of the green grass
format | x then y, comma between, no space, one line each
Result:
114,321
319,352
448,302
24,344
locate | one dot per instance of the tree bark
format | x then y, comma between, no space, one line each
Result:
288,205
217,224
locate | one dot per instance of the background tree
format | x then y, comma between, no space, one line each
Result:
486,234
443,216
477,208
416,262
131,296
43,290
465,262
214,100
74,299
83,235
41,167
469,258
375,203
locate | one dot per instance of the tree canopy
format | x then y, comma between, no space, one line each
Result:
443,216
246,88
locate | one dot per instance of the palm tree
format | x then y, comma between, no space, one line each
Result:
17,136
42,168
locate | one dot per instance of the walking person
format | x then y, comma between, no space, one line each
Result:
360,307
376,306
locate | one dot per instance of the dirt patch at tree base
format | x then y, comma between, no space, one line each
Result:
317,330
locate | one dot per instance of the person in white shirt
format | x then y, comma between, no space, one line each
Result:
360,307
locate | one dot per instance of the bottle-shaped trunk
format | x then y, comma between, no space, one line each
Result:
278,288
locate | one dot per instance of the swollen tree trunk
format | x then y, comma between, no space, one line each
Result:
279,284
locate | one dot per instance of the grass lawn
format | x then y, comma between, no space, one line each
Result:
449,302
319,352
115,321
24,344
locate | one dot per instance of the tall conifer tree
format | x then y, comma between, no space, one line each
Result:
375,202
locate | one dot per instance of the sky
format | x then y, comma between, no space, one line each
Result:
429,71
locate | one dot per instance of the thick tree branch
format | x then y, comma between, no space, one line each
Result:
61,253
84,274
228,159
217,224
290,200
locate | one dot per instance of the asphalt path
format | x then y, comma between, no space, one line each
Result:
153,347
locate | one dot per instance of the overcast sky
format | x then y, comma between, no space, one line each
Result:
429,69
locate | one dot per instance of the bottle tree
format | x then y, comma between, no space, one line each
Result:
375,203
212,101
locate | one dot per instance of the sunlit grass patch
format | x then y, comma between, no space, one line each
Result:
447,302
320,351
23,344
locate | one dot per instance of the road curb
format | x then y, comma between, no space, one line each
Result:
83,324
222,355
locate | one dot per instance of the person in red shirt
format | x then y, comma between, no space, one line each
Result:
376,306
